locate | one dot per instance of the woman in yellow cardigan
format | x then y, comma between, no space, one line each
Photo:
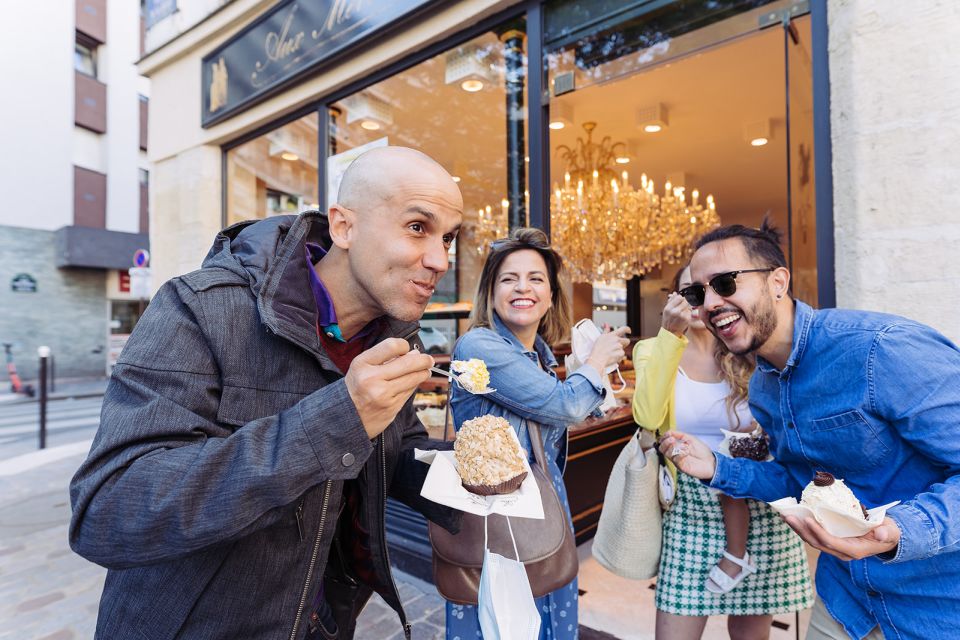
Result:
683,382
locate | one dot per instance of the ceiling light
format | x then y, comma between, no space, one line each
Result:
289,156
372,112
757,133
456,178
526,158
623,160
470,66
652,118
561,115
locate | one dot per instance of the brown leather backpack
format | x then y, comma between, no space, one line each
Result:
547,548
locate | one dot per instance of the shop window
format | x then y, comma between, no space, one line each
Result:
465,108
651,116
274,174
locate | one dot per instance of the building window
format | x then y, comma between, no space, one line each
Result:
85,59
144,114
144,201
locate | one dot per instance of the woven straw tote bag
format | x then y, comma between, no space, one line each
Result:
629,533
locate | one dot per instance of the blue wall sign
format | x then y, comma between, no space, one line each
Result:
23,283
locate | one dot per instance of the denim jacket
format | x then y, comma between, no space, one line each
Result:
524,390
875,400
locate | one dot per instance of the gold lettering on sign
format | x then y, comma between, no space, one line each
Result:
340,12
218,85
279,44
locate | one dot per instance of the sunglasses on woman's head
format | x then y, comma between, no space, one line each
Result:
724,284
496,245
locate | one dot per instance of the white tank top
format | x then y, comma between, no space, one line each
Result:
701,409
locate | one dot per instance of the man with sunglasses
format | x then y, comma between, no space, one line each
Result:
260,415
873,399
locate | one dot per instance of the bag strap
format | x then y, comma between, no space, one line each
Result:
536,443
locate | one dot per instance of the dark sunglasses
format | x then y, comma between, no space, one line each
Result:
724,284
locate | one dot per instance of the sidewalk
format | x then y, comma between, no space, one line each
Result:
47,592
66,388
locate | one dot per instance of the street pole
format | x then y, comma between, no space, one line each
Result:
44,353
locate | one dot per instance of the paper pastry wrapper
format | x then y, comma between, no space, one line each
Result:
724,447
836,523
444,486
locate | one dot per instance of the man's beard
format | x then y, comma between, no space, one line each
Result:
763,320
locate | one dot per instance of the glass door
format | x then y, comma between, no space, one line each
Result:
802,208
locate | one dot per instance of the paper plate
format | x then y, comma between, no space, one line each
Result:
836,523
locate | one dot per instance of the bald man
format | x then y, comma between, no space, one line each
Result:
260,415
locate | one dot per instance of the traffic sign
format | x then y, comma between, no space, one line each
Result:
141,258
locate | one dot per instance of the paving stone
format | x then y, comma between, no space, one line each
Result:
39,602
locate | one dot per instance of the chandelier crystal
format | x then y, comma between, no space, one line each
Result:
605,228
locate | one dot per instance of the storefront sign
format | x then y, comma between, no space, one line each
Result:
23,283
291,39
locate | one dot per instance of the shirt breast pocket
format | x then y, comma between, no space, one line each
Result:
846,441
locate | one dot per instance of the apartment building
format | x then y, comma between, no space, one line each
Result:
74,178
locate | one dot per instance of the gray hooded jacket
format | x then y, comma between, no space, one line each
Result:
212,489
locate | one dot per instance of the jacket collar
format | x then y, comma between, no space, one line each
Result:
271,253
540,346
803,315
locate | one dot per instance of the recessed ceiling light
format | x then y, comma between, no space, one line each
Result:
471,85
556,125
759,142
456,178
370,125
652,128
623,160
289,155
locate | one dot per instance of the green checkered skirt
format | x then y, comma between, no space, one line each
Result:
693,541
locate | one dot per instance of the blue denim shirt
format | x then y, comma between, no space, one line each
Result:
524,390
875,400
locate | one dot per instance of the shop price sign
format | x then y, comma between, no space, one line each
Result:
293,38
23,283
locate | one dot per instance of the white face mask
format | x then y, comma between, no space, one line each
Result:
506,608
584,334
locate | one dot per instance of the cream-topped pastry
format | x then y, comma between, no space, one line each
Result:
489,458
825,490
472,374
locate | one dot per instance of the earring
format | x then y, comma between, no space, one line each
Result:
779,295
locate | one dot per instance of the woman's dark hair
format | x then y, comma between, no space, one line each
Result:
556,323
762,244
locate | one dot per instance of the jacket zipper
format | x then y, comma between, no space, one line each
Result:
383,530
299,514
313,558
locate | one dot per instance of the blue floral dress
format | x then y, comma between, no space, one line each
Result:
526,389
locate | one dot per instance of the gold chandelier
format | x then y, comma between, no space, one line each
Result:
491,225
607,229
